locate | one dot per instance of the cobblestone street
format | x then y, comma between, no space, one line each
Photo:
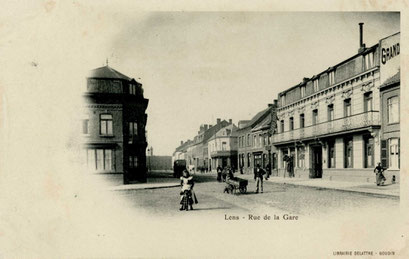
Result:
277,198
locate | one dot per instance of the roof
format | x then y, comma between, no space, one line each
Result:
264,124
392,80
107,72
231,127
330,68
211,131
256,119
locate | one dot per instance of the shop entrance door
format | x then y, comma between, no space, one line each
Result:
316,162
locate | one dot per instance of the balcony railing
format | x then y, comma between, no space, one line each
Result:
356,121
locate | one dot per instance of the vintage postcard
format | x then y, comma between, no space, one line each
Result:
219,130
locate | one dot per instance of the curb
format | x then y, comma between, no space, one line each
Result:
389,195
145,188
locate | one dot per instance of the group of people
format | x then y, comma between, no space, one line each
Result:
188,196
222,173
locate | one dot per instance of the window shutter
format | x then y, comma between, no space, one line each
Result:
384,153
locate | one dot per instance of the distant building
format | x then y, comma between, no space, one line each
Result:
195,152
255,141
114,125
330,123
222,148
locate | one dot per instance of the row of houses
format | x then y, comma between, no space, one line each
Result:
336,125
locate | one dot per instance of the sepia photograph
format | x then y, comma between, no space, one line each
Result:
184,134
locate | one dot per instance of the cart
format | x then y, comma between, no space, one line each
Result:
234,184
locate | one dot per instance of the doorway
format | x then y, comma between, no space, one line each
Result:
316,162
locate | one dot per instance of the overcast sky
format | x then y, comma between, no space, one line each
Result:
197,67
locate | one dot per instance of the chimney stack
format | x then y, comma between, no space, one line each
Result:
218,120
181,142
270,105
275,102
230,121
210,126
361,37
206,127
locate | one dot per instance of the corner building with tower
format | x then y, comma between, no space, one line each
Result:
113,126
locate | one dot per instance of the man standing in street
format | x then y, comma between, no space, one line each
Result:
258,177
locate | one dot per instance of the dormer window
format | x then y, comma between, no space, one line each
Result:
283,100
132,89
332,77
303,91
315,83
369,61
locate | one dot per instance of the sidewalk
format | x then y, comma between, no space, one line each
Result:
143,186
391,190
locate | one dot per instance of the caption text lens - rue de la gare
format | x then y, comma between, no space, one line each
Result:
257,217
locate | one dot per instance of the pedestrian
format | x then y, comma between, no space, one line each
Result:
224,173
290,166
258,177
219,173
380,178
268,171
187,183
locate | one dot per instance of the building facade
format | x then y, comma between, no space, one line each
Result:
255,141
390,104
222,148
329,124
196,152
114,125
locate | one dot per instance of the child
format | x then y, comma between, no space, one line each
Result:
186,182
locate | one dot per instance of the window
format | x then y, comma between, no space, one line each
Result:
85,125
133,130
132,89
330,112
393,109
314,116
302,91
331,154
282,125
348,154
302,120
331,77
291,123
301,157
394,156
248,159
347,107
100,159
106,124
224,146
315,83
369,60
248,140
254,140
369,151
368,102
133,161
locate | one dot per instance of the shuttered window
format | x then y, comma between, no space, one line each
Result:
384,153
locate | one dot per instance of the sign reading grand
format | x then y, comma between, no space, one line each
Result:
389,56
389,52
